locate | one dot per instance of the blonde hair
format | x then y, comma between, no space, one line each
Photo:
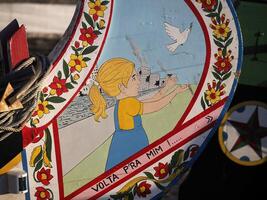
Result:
111,74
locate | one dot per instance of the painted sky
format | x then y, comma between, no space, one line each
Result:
143,21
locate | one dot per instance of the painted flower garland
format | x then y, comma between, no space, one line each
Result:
41,161
67,77
164,174
222,37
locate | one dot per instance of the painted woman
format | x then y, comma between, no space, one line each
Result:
118,78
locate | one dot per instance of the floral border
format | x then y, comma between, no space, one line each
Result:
222,38
40,161
65,80
164,174
67,76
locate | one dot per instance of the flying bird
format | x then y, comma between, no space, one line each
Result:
175,34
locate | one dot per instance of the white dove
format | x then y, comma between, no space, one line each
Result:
178,36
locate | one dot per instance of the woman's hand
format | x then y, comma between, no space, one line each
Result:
182,88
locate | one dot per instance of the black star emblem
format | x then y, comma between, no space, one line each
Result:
250,133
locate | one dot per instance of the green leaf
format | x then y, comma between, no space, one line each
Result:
218,85
220,8
32,124
89,20
149,175
56,99
177,158
72,80
38,165
89,50
218,19
65,69
206,100
75,50
118,196
130,196
59,74
84,25
97,32
220,39
41,96
50,107
226,76
105,3
97,25
216,76
224,51
212,15
218,44
79,49
48,143
229,42
228,35
69,86
86,59
161,187
203,104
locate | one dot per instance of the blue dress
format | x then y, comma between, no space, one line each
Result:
125,142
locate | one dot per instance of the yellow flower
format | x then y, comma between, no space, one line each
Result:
96,8
52,92
42,108
102,23
36,121
213,96
76,63
76,77
221,31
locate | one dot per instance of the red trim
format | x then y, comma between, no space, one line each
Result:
151,146
58,159
206,66
79,88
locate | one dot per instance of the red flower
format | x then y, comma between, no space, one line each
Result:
143,189
223,63
87,35
162,170
77,44
44,176
207,4
58,86
42,193
45,90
